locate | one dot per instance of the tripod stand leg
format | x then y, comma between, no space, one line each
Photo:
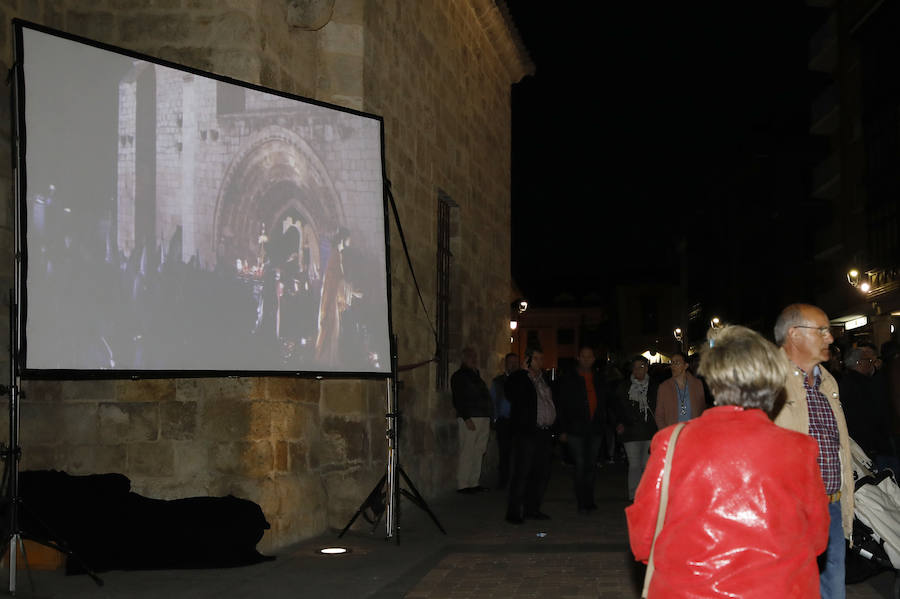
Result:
373,501
13,552
25,561
417,499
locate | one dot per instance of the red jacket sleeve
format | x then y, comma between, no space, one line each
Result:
642,514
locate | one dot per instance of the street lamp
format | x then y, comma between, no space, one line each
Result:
715,322
859,280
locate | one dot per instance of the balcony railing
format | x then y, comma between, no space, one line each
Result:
826,178
824,113
823,47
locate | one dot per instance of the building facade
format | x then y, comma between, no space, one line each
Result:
309,451
855,188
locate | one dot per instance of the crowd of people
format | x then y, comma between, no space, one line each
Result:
758,497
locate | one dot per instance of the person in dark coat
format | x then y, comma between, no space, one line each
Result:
582,418
532,417
865,407
635,403
501,417
474,409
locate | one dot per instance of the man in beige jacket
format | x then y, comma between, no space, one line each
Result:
812,406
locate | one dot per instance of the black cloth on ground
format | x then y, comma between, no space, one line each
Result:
110,528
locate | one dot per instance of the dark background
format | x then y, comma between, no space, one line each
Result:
655,133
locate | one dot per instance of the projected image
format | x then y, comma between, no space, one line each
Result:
176,222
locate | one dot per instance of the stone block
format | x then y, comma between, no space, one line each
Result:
349,11
39,457
128,422
299,457
155,27
146,390
232,29
342,38
292,420
244,458
151,459
281,456
191,461
344,398
224,420
293,389
78,423
341,74
92,459
351,437
42,391
100,26
39,423
218,389
89,390
261,415
178,420
133,5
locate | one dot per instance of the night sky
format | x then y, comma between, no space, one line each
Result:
646,125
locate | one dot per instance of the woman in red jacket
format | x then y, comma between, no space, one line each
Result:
747,512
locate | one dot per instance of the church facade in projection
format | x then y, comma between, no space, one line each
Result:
226,171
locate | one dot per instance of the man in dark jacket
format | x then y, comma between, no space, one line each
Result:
865,407
501,416
582,418
474,408
532,415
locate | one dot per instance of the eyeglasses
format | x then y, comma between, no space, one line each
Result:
824,331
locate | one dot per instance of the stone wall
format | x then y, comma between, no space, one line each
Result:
308,451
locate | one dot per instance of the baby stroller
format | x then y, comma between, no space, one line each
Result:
876,522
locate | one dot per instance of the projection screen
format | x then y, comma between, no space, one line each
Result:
176,222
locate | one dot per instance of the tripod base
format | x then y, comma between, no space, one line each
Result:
15,538
375,502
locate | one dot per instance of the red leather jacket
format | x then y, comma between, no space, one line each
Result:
747,511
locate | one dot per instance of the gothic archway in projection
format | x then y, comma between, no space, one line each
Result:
276,178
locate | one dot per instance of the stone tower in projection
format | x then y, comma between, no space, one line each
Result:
204,166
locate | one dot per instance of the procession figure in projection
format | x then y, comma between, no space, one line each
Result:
337,296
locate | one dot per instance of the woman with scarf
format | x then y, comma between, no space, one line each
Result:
634,407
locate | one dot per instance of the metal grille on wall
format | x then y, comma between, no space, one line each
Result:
444,260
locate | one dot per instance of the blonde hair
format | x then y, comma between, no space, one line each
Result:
743,369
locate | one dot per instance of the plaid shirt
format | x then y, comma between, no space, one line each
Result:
823,428
546,411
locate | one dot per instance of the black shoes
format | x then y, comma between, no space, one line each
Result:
537,516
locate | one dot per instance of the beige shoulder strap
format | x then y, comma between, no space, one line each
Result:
663,501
